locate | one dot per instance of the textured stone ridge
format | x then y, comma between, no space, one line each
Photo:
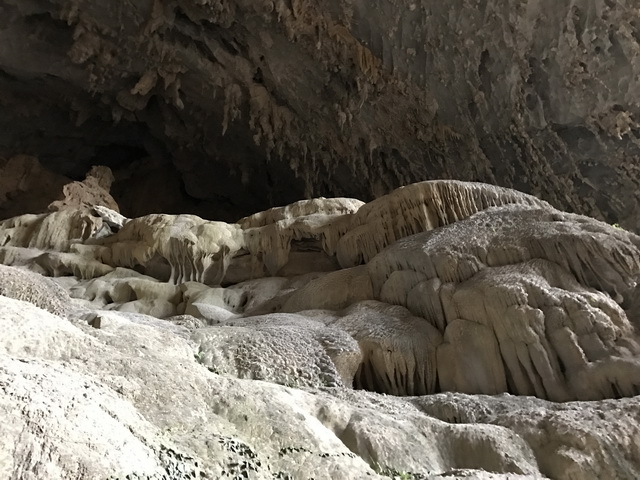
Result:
235,106
35,289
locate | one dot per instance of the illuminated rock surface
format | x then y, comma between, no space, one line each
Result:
407,337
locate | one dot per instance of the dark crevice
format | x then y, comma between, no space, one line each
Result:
484,73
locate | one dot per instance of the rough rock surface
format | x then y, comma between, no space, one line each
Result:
233,106
176,348
20,177
93,191
35,289
520,306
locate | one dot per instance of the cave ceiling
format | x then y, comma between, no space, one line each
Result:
223,108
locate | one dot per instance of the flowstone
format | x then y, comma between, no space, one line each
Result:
252,350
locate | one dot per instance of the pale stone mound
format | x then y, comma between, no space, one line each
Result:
94,433
316,235
464,287
35,289
54,231
131,399
523,298
306,226
287,349
582,426
60,264
86,211
416,208
303,208
189,322
333,291
175,248
18,256
398,348
110,217
395,350
129,291
285,241
308,236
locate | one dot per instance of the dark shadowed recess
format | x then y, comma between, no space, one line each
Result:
45,118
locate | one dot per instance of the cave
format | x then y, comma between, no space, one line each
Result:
230,108
259,239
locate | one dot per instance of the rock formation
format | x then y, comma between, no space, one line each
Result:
231,107
327,339
156,327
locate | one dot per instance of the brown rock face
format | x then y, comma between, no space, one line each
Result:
245,105
20,177
93,190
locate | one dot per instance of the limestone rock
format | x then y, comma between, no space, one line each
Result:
92,191
35,289
244,418
310,236
111,439
178,248
285,349
519,297
190,322
581,423
399,349
129,291
525,300
115,379
333,291
309,373
302,208
53,231
21,176
111,217
288,241
416,208
19,256
55,264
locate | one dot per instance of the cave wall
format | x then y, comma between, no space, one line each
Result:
229,107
